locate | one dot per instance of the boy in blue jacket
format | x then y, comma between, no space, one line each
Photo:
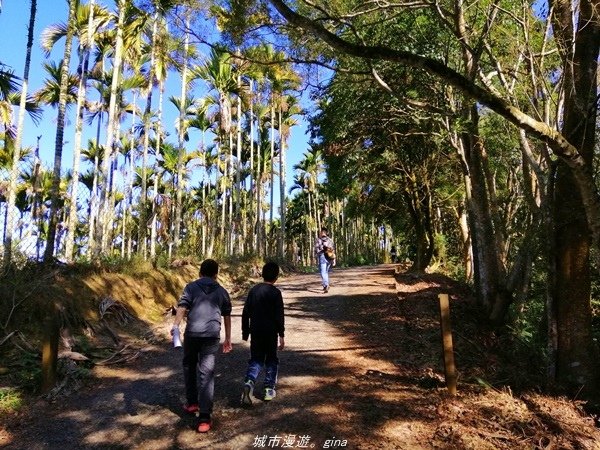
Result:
263,320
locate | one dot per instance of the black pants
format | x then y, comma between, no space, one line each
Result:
199,354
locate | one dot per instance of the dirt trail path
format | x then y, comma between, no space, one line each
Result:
332,384
356,373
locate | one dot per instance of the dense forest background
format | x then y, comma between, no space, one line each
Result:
463,133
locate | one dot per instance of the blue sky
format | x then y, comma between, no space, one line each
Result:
14,19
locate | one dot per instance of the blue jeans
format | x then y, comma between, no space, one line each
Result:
199,355
263,352
324,266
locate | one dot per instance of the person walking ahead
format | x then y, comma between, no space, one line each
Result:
263,321
205,301
324,250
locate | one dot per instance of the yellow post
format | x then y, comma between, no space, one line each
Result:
449,367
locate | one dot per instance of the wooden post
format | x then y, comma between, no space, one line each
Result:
50,350
449,367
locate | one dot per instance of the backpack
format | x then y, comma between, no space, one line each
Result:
328,252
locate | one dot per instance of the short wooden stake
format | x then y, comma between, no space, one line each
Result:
51,330
449,367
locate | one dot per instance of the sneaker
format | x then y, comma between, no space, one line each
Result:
325,289
247,393
204,427
269,394
192,408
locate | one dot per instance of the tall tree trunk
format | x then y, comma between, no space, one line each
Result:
14,170
143,206
259,184
132,157
230,216
491,289
272,162
102,225
282,186
467,249
93,212
58,143
128,194
252,177
577,357
154,230
182,150
86,49
110,222
238,173
218,192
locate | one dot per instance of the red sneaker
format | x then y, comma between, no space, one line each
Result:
191,409
204,427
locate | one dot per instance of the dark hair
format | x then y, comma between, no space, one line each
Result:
270,271
209,268
324,229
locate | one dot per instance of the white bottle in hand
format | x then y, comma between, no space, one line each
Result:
176,337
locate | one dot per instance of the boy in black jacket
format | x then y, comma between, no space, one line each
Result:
263,319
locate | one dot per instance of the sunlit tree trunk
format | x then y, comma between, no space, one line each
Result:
111,223
14,170
217,233
182,151
93,214
281,185
128,198
252,177
154,230
272,164
238,172
259,184
230,216
86,49
102,226
58,144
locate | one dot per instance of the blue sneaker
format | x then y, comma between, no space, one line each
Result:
269,394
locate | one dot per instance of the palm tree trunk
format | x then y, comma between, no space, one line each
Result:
252,177
310,222
317,206
143,219
110,133
281,186
230,218
258,182
154,230
129,187
58,143
182,151
142,225
130,199
81,95
14,170
110,222
272,174
204,205
238,182
93,213
217,230
109,226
